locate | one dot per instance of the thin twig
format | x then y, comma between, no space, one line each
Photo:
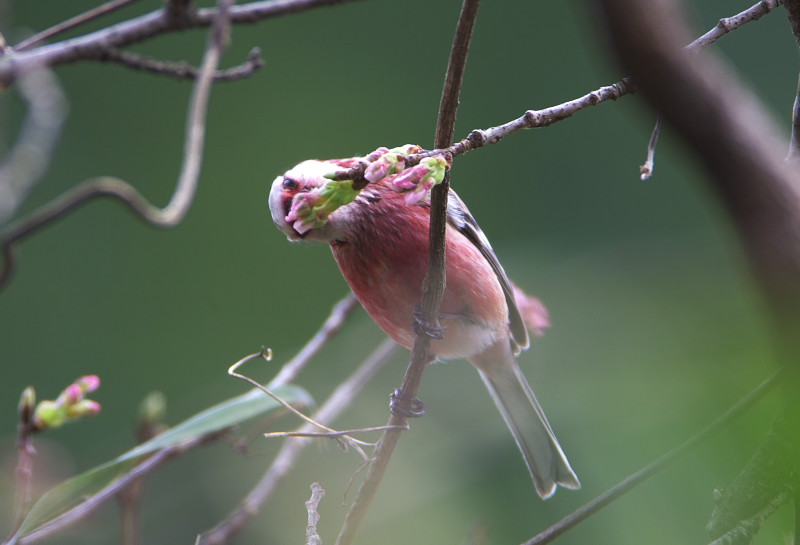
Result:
73,22
260,10
15,63
267,355
181,70
534,119
434,283
312,507
729,24
724,26
338,433
181,200
340,399
631,481
29,158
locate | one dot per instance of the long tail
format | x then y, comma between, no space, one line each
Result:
525,418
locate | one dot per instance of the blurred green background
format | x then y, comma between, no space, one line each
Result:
656,330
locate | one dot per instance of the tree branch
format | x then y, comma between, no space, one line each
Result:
339,400
181,70
74,22
184,192
534,119
434,283
16,63
730,132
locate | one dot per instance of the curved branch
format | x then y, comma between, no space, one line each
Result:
179,204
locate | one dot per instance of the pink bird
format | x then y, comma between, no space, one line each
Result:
381,246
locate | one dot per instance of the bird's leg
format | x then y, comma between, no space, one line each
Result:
407,407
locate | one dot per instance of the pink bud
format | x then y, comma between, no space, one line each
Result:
410,178
301,214
377,170
89,383
377,153
72,394
418,193
85,407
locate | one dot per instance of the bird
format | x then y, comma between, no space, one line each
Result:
380,243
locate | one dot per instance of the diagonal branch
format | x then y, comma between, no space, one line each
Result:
73,22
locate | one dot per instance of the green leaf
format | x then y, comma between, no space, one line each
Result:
219,417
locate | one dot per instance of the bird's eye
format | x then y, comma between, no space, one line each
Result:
289,184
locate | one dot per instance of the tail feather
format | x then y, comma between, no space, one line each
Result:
525,418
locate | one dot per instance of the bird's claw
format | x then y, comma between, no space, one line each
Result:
423,327
404,406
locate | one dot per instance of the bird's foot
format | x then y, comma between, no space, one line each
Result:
407,407
422,327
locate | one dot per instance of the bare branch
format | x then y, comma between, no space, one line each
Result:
181,70
637,478
30,156
728,24
732,135
339,400
15,63
184,192
432,287
534,119
72,23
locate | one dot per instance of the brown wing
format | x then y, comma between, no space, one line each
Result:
460,218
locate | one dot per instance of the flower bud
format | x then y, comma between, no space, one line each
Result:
418,180
88,383
84,407
311,209
48,414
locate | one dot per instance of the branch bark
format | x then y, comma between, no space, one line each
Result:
16,63
434,284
